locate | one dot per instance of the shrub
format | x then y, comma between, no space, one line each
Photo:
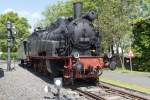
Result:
4,55
141,64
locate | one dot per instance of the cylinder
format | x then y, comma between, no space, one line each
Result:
77,7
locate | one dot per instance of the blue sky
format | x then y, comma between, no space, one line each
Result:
31,9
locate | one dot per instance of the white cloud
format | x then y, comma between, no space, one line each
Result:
36,15
8,10
32,17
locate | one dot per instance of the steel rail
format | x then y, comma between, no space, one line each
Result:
92,95
111,90
123,93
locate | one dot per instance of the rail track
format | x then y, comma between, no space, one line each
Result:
105,91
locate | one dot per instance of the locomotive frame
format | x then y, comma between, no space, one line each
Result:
69,75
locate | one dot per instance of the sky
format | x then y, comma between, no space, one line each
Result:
31,9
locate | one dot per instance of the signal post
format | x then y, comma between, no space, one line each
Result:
9,40
130,55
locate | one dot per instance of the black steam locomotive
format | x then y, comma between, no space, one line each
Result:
68,47
67,35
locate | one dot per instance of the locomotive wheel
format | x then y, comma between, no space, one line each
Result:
44,68
48,66
68,81
55,67
51,72
22,63
99,72
38,67
35,66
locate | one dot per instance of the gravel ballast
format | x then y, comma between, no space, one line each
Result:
21,84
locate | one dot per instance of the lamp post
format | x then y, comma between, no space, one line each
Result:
9,39
58,84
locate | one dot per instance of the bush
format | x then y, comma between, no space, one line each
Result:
141,44
141,64
4,55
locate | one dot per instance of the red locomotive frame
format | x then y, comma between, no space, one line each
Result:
96,61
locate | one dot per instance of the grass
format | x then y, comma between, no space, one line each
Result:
127,71
126,85
120,70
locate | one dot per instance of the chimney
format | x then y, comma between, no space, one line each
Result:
77,7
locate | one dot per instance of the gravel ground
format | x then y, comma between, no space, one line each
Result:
21,84
139,79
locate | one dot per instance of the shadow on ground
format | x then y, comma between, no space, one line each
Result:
1,73
45,78
49,79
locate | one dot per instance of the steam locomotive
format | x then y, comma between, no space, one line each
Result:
68,47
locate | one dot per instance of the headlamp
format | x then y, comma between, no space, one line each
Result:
76,55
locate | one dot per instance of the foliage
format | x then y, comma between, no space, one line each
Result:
4,55
20,29
64,9
114,21
141,43
140,64
141,33
53,11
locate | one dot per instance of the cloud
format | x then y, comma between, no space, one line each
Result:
8,10
32,17
36,15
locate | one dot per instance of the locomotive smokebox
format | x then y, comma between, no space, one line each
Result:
77,7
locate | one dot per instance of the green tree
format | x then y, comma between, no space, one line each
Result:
64,9
114,20
55,10
20,29
141,43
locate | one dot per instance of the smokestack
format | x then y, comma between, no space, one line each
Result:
77,7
